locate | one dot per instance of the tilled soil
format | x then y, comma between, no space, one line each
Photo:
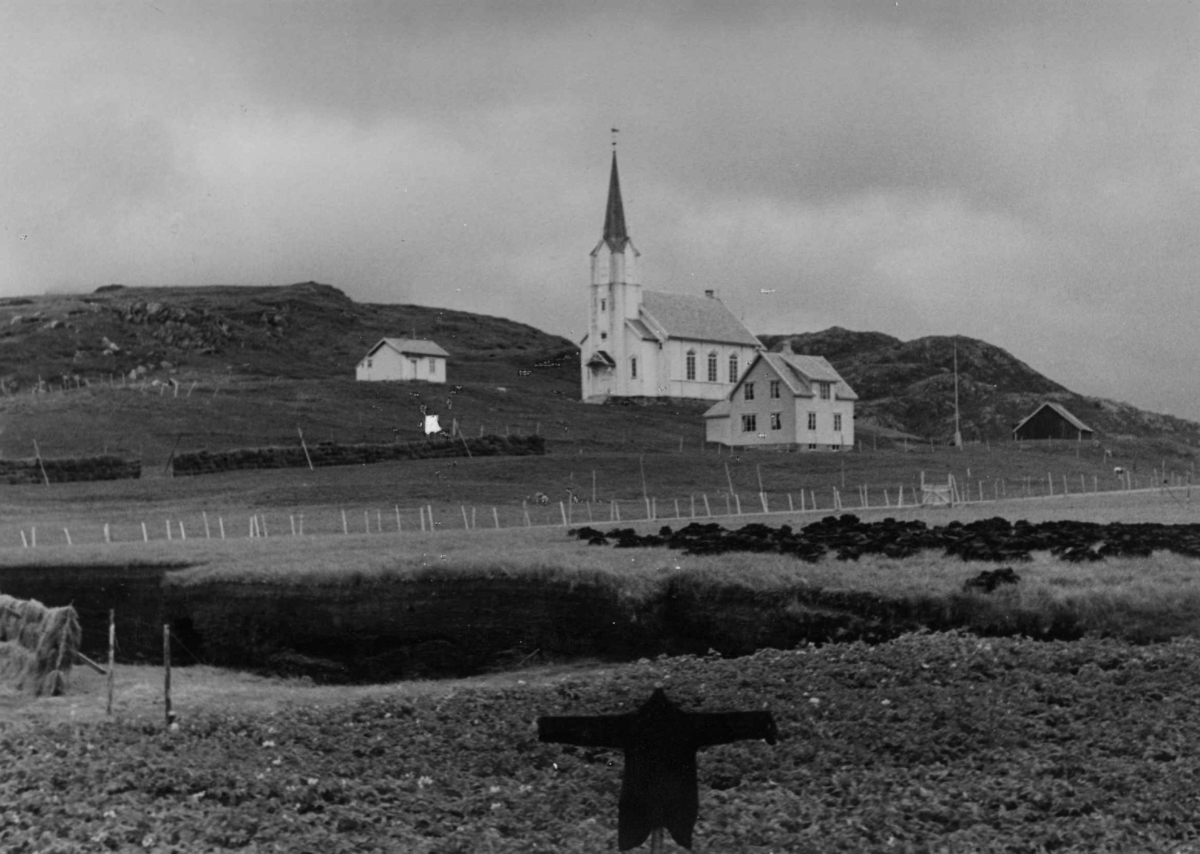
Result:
929,743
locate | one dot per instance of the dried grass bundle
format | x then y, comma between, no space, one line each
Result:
38,645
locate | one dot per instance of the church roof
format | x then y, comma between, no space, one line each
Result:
411,346
642,330
696,318
614,216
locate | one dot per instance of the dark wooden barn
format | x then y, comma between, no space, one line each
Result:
1052,421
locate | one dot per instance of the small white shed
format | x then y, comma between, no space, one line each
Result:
403,359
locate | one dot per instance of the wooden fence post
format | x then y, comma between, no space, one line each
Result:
207,533
466,524
112,644
563,507
345,527
496,517
707,509
167,673
398,528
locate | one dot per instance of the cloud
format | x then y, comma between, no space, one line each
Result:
1023,172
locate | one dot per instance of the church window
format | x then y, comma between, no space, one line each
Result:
812,421
837,422
775,389
712,366
733,367
690,364
748,391
368,363
604,305
633,367
749,423
825,388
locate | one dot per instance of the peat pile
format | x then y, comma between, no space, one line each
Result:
849,538
104,467
335,454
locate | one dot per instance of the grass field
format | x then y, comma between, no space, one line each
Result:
372,494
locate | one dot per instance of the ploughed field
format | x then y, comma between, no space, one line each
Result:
930,742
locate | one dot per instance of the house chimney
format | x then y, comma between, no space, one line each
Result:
710,293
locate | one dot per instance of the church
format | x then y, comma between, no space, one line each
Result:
643,343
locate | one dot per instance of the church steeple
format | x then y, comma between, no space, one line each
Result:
614,217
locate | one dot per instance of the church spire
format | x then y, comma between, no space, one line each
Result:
614,217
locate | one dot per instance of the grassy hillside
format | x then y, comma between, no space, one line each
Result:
143,371
303,331
909,386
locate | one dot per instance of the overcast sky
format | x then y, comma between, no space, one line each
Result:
1024,173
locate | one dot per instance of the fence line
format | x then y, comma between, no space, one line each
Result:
577,512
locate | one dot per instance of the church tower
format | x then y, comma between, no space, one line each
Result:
616,296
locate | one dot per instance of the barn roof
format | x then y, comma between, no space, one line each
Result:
411,347
696,318
1062,411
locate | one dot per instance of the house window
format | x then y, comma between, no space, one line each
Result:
712,367
412,363
733,367
812,446
776,420
774,389
433,366
748,394
368,363
633,367
604,305
812,421
825,388
749,423
603,336
837,422
691,364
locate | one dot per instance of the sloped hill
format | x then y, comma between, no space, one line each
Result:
908,386
302,331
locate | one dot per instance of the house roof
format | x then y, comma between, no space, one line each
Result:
696,318
799,373
720,409
1062,411
411,347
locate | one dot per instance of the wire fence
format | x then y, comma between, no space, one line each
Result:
577,509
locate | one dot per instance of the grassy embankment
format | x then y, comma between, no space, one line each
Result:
1136,599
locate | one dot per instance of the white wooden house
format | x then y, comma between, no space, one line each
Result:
403,359
785,399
